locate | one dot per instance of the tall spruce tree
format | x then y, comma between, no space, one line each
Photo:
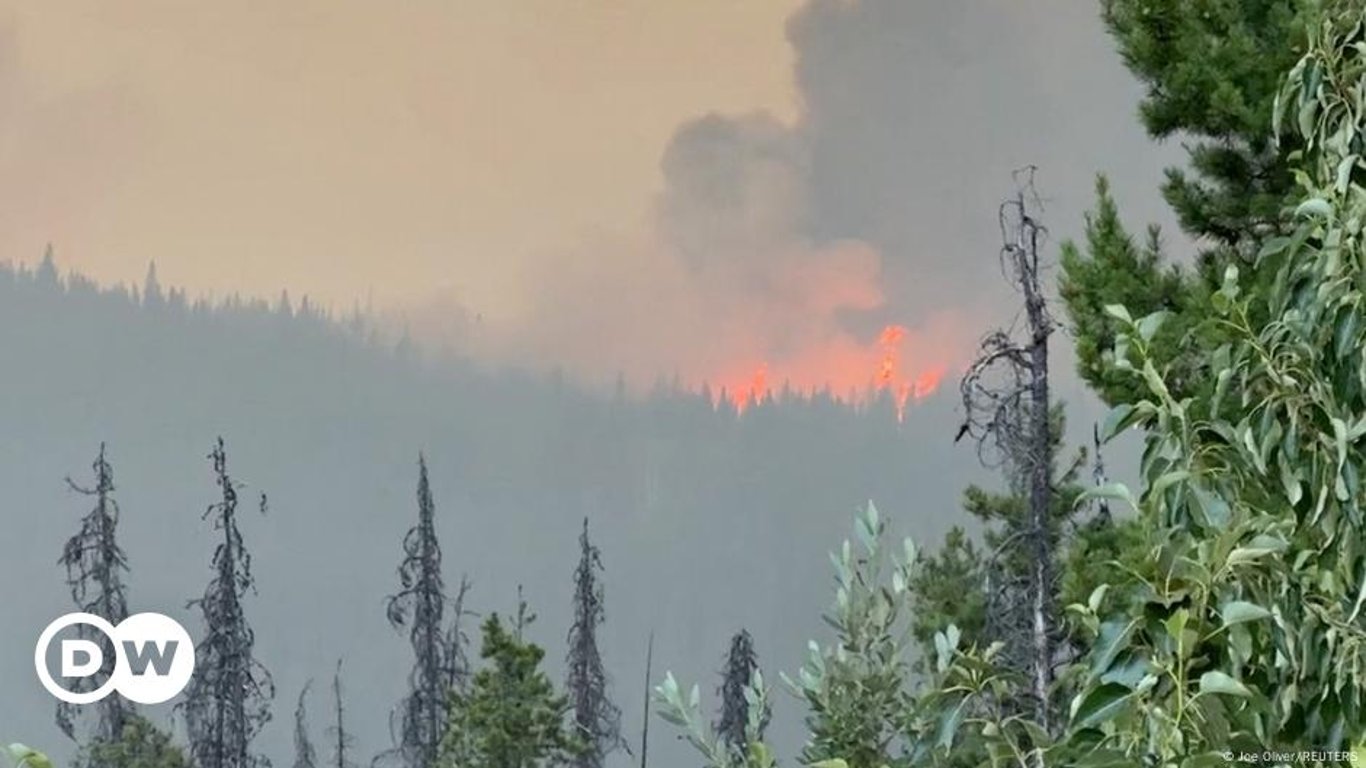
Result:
418,607
596,719
95,566
228,699
736,678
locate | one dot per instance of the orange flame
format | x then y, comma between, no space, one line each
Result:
845,369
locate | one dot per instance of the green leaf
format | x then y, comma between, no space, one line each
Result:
1099,705
1240,611
1316,206
1149,325
1119,312
1218,682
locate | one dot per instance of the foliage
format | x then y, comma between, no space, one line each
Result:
716,748
228,699
511,716
343,743
1210,70
27,757
140,745
596,719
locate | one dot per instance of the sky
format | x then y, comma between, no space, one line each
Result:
736,193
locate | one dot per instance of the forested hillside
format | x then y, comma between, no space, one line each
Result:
708,522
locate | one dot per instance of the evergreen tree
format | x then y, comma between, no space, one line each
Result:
1210,71
511,717
742,664
152,296
139,745
418,607
343,743
228,699
305,756
596,719
95,567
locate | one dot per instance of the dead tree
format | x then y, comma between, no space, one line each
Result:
596,719
741,665
418,607
1007,411
95,566
228,700
645,719
343,743
305,756
457,658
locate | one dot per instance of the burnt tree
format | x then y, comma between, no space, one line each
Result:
1007,412
597,721
95,566
228,699
741,665
418,607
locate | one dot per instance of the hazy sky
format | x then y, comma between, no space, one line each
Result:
714,188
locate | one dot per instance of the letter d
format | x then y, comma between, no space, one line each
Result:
81,658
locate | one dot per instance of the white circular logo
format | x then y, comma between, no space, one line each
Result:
154,658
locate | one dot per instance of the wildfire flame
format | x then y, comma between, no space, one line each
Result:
868,371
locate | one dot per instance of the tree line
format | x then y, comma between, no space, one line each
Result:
504,711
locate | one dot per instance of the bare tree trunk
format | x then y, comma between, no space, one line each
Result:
645,722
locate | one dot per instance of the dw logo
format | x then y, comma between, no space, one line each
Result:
154,658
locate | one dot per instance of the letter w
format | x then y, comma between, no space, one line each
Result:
150,652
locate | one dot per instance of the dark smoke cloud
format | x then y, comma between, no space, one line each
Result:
793,245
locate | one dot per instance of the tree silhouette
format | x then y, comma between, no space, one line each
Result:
596,718
342,740
228,700
418,606
741,664
305,756
95,565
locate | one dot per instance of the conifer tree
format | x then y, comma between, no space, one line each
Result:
343,743
228,699
738,677
1210,71
1007,411
95,567
596,718
140,745
418,607
511,717
305,756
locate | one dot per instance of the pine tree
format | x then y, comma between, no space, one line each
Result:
418,607
95,567
511,717
305,756
343,743
228,700
738,676
596,718
140,745
152,297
